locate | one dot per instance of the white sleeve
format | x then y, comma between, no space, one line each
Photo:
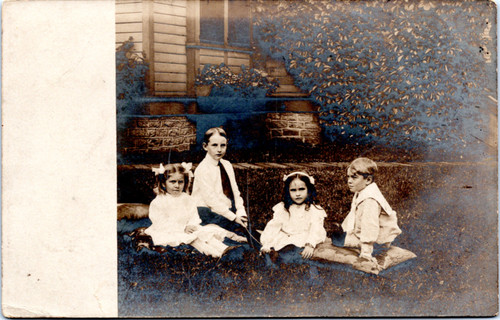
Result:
370,220
317,232
205,190
154,211
193,212
273,227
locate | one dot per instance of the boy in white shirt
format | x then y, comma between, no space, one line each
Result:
371,219
215,188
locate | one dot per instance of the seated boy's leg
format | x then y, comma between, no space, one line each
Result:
366,250
338,239
207,216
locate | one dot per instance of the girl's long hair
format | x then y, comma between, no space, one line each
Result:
170,169
311,192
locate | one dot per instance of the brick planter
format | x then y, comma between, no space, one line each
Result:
302,126
159,134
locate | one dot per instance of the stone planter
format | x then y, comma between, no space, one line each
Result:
158,134
303,127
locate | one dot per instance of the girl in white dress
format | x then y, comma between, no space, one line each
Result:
297,220
174,214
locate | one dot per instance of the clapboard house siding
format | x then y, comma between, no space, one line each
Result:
129,17
129,27
167,18
170,67
171,76
167,32
170,48
176,8
128,6
136,39
210,57
169,28
128,20
160,37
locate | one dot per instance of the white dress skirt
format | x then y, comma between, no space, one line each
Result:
297,226
170,215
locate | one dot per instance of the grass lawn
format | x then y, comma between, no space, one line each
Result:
448,215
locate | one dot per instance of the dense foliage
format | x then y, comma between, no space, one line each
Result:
405,73
249,82
131,70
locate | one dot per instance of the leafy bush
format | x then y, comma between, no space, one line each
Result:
399,73
131,71
248,83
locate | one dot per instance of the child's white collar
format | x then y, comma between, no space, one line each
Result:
372,191
211,160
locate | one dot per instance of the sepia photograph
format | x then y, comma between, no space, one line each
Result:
249,158
306,158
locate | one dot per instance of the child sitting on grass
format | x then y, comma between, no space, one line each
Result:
371,219
216,190
297,223
174,215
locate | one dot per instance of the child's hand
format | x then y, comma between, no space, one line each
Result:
190,229
265,250
307,252
241,220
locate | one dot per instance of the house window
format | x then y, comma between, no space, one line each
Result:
225,22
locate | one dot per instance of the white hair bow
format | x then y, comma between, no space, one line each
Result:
187,167
160,170
311,179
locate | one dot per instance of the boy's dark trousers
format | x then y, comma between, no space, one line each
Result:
338,239
207,216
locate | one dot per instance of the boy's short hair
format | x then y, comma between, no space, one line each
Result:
210,132
364,166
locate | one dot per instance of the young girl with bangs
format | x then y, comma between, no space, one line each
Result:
297,225
174,214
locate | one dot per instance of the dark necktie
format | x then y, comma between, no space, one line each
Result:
226,185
